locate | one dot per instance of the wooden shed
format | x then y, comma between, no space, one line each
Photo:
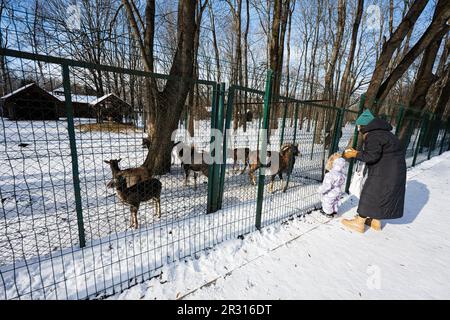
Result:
111,108
81,104
30,102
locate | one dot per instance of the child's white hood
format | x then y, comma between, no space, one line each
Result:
338,165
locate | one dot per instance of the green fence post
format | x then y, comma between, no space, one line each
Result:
314,134
435,127
419,140
212,167
410,131
295,121
448,148
425,138
447,132
229,116
73,153
291,160
355,143
440,125
263,147
447,127
217,190
399,121
337,129
283,124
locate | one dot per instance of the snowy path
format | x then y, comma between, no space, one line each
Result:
314,258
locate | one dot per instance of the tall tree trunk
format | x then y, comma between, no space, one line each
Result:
288,60
237,66
331,67
247,28
192,106
216,47
165,107
328,82
391,17
345,86
313,65
279,22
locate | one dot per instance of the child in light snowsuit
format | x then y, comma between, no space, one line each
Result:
331,188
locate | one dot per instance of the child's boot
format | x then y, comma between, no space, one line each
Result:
356,224
328,215
331,215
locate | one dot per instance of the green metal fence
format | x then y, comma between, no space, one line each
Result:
64,234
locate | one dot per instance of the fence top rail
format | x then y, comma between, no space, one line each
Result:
242,88
314,103
90,65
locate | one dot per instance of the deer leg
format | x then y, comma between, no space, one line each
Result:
280,174
133,218
110,184
158,207
252,176
245,167
186,173
272,180
195,180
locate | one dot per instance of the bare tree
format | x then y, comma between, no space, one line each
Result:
328,82
345,87
388,50
215,43
279,22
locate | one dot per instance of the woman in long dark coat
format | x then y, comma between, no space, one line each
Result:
383,194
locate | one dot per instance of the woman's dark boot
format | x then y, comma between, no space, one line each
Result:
375,224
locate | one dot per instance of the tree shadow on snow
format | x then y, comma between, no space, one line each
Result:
417,195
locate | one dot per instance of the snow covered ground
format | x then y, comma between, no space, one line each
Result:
312,257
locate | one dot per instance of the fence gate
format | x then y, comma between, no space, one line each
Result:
237,194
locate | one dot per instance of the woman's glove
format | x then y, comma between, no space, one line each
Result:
350,153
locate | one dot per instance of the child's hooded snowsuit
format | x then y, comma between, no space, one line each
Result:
331,188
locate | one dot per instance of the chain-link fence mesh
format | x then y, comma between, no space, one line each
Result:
84,144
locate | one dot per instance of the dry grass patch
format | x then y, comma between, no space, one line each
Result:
113,127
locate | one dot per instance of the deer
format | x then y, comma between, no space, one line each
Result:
196,163
287,153
140,192
132,175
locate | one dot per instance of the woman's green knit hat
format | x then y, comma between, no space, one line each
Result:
365,118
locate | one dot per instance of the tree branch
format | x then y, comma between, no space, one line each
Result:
137,34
